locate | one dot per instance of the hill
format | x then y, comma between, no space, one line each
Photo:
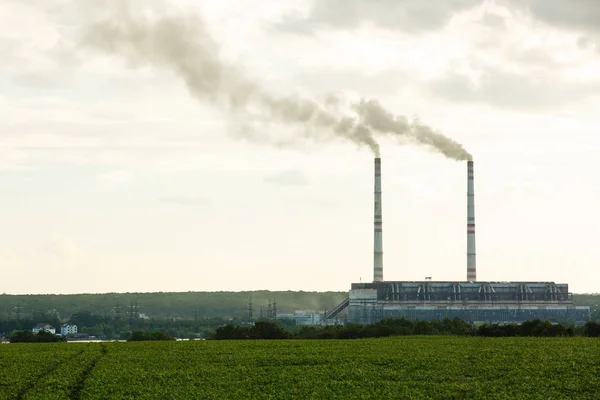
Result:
185,305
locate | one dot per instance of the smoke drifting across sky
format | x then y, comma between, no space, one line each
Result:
181,44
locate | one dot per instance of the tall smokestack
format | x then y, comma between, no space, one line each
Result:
378,243
471,266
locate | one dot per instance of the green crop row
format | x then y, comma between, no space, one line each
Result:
401,367
68,379
23,365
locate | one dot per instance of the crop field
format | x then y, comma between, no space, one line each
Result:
402,367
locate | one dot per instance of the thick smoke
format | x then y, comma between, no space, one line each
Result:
182,45
379,119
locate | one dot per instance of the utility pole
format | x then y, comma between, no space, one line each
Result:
136,313
17,310
118,314
270,310
131,313
250,316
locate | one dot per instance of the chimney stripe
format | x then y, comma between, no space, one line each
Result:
378,230
471,258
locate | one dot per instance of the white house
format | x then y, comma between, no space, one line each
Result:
44,327
68,329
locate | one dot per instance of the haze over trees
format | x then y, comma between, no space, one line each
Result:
186,305
189,314
185,314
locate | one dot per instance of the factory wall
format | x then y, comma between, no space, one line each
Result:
371,313
495,302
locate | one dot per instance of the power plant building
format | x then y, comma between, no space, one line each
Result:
474,302
470,300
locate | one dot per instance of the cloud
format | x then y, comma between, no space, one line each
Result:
421,16
288,178
512,61
112,122
494,53
185,200
35,49
407,15
580,15
62,248
511,90
116,177
384,82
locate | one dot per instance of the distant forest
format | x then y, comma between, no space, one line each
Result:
187,305
162,305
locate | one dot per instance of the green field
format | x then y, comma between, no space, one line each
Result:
400,368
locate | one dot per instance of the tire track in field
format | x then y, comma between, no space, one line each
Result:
77,388
45,373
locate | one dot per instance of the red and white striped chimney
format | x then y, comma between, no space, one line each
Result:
378,243
471,265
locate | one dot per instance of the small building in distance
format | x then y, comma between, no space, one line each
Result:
303,318
44,327
68,329
80,336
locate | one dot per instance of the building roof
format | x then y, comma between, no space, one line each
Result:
41,326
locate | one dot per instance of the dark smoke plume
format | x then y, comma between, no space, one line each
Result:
181,44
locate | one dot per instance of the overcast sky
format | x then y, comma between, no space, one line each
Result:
122,170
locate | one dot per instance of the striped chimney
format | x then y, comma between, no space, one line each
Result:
378,243
471,266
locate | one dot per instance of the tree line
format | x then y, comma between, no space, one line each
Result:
404,327
384,328
40,337
115,327
107,327
164,305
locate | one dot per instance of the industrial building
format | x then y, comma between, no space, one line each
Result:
469,300
303,317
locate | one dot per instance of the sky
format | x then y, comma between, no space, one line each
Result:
165,146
